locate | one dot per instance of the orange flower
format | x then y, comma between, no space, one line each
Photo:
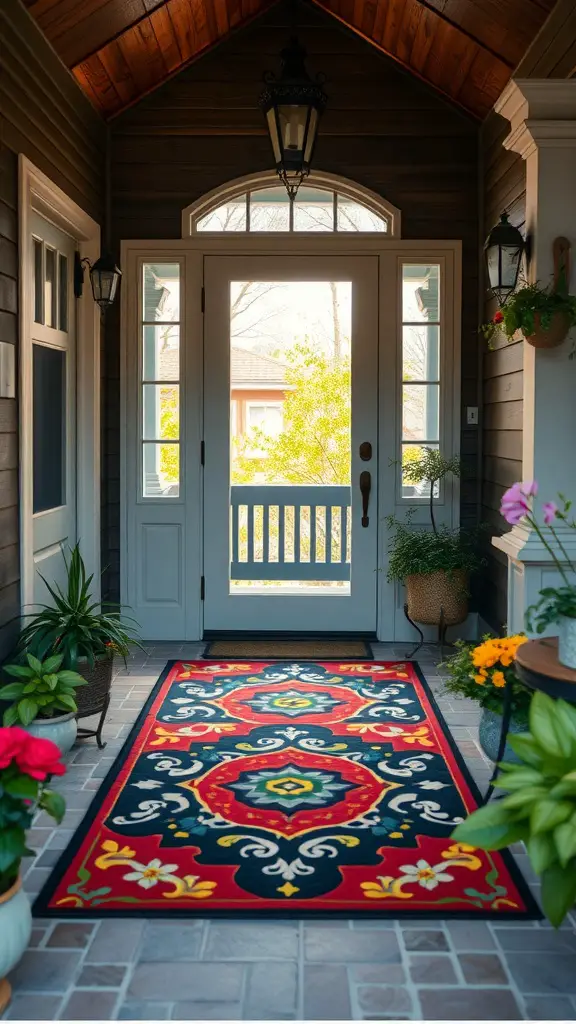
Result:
498,679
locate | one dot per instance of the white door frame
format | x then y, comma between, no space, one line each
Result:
37,192
191,252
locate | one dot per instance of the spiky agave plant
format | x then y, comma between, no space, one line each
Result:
76,626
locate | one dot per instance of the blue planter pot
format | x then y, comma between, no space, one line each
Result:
489,734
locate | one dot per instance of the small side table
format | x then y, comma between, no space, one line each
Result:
537,668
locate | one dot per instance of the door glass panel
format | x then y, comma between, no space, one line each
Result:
270,210
314,210
161,286
161,469
161,352
290,427
161,412
38,283
63,292
420,293
50,294
421,352
49,427
420,412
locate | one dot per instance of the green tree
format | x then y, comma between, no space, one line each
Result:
314,445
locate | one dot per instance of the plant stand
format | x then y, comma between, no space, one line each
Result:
537,668
442,628
101,708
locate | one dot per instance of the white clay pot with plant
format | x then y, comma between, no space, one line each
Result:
43,699
26,762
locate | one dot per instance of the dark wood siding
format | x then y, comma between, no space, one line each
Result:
9,551
552,55
383,128
45,116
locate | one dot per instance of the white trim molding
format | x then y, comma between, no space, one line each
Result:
268,179
39,194
542,116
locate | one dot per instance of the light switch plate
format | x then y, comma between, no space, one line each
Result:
7,370
472,415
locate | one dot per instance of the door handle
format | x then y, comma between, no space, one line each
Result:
365,488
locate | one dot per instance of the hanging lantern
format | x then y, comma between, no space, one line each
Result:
293,105
104,278
503,250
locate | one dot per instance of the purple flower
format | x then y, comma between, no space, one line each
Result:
550,510
515,504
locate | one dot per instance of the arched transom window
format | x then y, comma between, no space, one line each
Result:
324,203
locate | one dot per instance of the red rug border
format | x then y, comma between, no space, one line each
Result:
42,909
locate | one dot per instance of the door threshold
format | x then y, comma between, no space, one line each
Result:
273,634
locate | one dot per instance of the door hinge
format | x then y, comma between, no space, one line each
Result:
202,453
203,299
202,587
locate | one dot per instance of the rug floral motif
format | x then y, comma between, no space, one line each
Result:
284,787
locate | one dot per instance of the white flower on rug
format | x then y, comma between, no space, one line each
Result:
148,875
426,875
147,784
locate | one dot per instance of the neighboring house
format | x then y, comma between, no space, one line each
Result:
257,393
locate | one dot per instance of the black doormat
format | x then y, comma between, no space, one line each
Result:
281,648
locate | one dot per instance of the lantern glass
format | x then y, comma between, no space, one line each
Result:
503,251
104,278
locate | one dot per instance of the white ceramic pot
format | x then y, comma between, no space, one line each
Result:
567,641
15,931
62,730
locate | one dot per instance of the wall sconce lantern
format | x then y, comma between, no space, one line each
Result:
503,251
104,278
293,105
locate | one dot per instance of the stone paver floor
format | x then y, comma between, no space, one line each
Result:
283,970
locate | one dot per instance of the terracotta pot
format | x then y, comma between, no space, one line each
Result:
90,699
61,730
438,597
15,931
552,337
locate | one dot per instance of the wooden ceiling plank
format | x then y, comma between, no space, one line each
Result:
408,30
184,28
392,23
142,54
166,38
76,37
423,40
100,83
505,29
115,64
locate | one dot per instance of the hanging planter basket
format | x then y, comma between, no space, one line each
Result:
551,336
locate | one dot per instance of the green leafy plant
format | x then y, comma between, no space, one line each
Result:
26,762
480,672
413,551
540,806
521,309
40,690
553,604
75,625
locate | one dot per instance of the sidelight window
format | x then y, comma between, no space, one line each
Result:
160,380
421,334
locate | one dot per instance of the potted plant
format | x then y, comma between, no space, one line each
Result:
480,672
26,762
44,699
556,604
87,634
540,808
543,315
434,564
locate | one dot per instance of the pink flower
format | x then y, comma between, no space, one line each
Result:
514,504
550,510
530,488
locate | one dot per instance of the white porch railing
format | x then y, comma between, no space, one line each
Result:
289,532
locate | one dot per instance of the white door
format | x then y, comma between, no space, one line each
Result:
52,402
290,431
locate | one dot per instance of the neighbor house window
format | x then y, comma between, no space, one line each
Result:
262,418
270,210
160,380
421,335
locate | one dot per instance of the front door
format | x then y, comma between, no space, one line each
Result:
290,433
53,403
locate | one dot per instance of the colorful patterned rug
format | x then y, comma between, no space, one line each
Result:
284,788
